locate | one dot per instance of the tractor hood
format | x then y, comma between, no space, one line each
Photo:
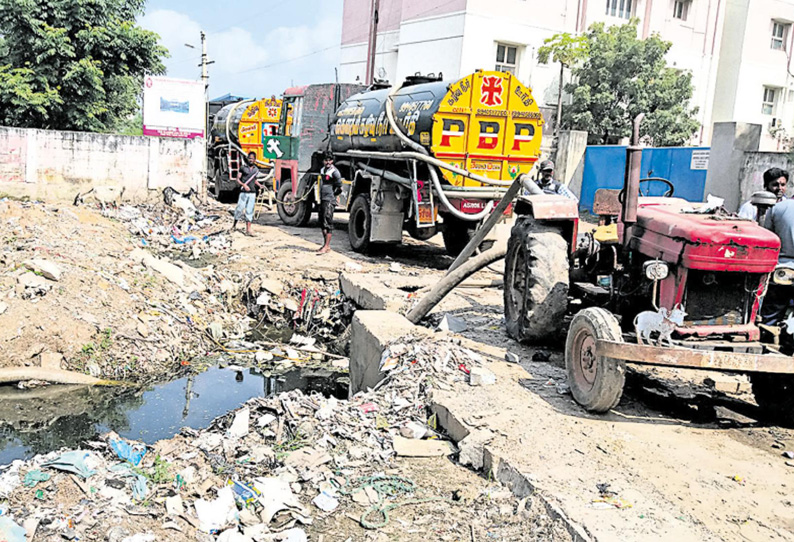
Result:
702,241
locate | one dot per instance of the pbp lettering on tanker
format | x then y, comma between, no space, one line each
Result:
525,133
451,128
489,135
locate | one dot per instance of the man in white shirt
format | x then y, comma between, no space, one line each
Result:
775,181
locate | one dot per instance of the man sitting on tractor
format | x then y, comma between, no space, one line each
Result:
548,184
775,181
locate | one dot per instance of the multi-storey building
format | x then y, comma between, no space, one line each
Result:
739,57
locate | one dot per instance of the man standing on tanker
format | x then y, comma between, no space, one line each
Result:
330,188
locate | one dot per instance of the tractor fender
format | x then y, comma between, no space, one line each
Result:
547,207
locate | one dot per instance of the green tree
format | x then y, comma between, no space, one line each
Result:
567,50
624,76
74,64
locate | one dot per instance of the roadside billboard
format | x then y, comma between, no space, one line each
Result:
173,107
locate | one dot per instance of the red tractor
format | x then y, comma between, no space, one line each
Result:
654,265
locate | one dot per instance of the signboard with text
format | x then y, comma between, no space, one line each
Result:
173,107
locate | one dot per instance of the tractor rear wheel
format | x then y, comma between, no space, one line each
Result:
596,382
774,394
359,226
536,282
291,211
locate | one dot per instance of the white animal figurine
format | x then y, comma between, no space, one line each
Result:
664,322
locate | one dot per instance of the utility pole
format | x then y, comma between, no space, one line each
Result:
372,43
205,77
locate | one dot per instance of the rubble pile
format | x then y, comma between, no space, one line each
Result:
275,469
143,294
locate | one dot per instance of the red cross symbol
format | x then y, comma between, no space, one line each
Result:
491,91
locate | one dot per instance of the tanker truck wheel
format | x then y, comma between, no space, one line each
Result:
596,382
774,394
536,282
291,213
457,235
359,226
222,196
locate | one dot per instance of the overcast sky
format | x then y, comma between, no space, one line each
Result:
259,47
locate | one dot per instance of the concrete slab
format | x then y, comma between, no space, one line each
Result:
373,291
683,482
371,333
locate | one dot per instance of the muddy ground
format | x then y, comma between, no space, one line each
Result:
141,330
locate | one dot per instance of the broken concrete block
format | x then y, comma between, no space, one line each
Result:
45,268
371,333
407,447
472,449
480,376
369,292
3,307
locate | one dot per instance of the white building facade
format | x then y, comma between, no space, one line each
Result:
738,56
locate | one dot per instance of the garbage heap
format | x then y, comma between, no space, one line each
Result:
267,471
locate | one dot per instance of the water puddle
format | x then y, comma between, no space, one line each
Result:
45,419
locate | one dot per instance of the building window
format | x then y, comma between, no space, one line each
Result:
768,105
779,35
506,56
681,9
619,8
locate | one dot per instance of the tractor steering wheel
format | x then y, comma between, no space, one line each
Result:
670,187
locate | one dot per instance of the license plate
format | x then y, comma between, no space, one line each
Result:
427,213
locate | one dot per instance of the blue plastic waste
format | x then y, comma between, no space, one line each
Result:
128,452
188,239
34,477
10,531
139,489
73,461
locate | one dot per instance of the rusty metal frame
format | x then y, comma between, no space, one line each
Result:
695,359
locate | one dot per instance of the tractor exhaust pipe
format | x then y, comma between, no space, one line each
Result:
631,182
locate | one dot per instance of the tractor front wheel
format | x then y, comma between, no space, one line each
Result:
596,382
536,282
774,394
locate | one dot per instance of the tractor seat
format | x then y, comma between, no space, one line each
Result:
606,205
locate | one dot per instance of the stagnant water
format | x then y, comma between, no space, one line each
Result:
45,419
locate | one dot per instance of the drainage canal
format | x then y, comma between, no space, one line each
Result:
45,419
